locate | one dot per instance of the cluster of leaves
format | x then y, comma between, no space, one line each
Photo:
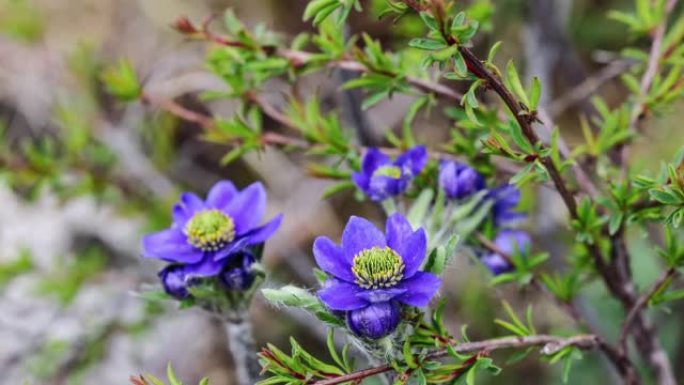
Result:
302,367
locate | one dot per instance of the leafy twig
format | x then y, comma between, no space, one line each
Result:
550,345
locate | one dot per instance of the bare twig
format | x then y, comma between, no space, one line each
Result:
641,303
588,87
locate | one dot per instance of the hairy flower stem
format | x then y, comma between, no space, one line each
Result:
243,349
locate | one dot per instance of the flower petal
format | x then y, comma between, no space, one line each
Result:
208,267
381,187
232,248
496,264
180,215
338,295
330,258
170,245
512,241
221,195
192,203
361,180
413,161
419,289
248,207
360,234
262,233
373,159
411,245
381,295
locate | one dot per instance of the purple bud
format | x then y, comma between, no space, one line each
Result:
174,281
374,321
238,273
459,180
509,242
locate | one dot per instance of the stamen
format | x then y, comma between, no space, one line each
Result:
210,230
377,267
390,171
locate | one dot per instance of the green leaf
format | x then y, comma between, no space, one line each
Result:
615,222
154,380
427,44
325,12
374,99
429,21
121,81
445,53
460,66
665,197
408,355
535,93
493,51
315,7
290,296
410,116
514,83
420,207
337,188
171,375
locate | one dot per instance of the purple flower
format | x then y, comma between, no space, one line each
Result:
238,273
509,242
381,178
174,281
506,199
372,273
205,233
459,180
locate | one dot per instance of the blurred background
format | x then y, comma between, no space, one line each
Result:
82,177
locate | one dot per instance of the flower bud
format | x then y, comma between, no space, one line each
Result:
459,180
238,273
174,281
375,321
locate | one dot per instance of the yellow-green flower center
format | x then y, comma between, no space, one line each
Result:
210,230
377,267
390,171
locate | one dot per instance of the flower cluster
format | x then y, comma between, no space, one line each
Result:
381,178
371,274
212,238
460,181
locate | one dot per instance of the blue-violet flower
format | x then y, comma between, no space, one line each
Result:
509,242
506,199
205,233
381,178
372,273
459,180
